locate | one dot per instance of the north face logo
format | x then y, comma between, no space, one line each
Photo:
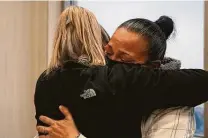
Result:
88,93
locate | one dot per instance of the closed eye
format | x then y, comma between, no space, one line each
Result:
108,50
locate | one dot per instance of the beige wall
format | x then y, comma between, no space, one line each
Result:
54,10
23,55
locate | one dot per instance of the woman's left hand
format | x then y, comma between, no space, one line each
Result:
65,128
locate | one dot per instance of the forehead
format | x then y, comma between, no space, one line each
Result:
127,40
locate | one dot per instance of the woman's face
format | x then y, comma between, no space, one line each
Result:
126,46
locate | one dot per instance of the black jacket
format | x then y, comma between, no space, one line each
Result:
109,101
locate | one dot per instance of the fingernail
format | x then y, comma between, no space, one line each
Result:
60,107
41,117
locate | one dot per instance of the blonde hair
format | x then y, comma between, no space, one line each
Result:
78,38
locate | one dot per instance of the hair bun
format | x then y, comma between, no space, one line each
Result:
166,24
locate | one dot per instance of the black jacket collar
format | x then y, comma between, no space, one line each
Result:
74,64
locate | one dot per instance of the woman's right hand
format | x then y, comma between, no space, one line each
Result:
44,136
65,128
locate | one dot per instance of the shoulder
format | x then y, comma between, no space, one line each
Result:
48,76
47,82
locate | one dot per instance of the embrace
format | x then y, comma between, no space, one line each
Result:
118,87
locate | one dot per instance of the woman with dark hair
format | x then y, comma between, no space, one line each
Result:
105,36
150,50
109,101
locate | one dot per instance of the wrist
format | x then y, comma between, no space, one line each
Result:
80,136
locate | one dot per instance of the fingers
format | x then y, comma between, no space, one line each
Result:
47,120
66,112
47,136
44,136
49,131
44,130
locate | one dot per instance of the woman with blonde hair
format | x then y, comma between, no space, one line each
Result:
76,39
107,100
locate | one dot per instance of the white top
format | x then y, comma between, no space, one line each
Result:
170,123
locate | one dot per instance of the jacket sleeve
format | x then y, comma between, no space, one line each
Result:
160,88
45,103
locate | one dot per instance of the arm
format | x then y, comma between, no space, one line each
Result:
162,88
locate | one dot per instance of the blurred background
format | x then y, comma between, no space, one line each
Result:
26,34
